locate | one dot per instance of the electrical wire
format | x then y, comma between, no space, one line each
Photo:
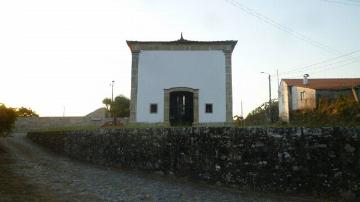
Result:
336,67
281,27
356,1
321,69
304,68
329,67
349,3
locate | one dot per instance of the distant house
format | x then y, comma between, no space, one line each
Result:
300,94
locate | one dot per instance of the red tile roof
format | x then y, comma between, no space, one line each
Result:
324,84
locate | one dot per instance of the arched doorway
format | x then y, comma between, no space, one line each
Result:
181,106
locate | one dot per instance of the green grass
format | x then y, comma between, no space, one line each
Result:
156,125
126,126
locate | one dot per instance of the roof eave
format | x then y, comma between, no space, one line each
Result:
232,43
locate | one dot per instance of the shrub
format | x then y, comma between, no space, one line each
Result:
7,119
343,111
260,115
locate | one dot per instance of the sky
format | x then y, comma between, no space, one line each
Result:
59,57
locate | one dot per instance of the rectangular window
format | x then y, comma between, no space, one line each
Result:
302,95
208,108
153,108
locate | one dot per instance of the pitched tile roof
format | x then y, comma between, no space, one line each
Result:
324,84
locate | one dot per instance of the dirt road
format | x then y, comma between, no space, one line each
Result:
30,173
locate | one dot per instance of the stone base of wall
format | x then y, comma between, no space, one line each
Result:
294,160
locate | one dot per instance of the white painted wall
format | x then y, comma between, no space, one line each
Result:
203,70
283,99
307,103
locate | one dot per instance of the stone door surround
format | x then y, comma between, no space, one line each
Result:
167,103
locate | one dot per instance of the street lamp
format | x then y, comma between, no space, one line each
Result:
112,101
269,95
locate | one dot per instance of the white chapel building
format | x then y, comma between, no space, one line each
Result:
181,82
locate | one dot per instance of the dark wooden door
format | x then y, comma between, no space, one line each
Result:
181,108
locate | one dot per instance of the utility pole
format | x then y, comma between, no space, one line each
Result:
242,115
270,117
277,76
112,102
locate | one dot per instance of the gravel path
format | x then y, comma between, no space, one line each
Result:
30,173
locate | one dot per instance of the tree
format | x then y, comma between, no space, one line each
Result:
121,106
239,121
107,103
7,119
260,115
25,112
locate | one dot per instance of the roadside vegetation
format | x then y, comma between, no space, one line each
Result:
25,112
343,111
120,107
8,117
260,116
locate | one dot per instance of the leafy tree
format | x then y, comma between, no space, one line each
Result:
121,106
107,103
260,115
239,121
7,119
25,112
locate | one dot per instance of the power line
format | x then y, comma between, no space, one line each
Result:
356,1
281,27
328,67
349,3
321,62
336,67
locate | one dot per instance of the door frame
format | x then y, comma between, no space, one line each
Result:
195,103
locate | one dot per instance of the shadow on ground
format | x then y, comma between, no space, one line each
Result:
14,187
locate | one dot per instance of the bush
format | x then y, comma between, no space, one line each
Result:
121,106
260,115
7,119
25,112
343,111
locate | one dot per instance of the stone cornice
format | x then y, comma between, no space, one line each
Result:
226,46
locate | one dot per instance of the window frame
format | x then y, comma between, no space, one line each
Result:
153,106
302,95
209,110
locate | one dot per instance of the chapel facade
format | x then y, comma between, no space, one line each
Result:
181,82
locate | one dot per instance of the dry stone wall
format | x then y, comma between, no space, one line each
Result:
319,160
40,123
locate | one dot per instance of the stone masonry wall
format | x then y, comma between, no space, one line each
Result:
38,123
321,160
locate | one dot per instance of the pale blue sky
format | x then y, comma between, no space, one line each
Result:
56,54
